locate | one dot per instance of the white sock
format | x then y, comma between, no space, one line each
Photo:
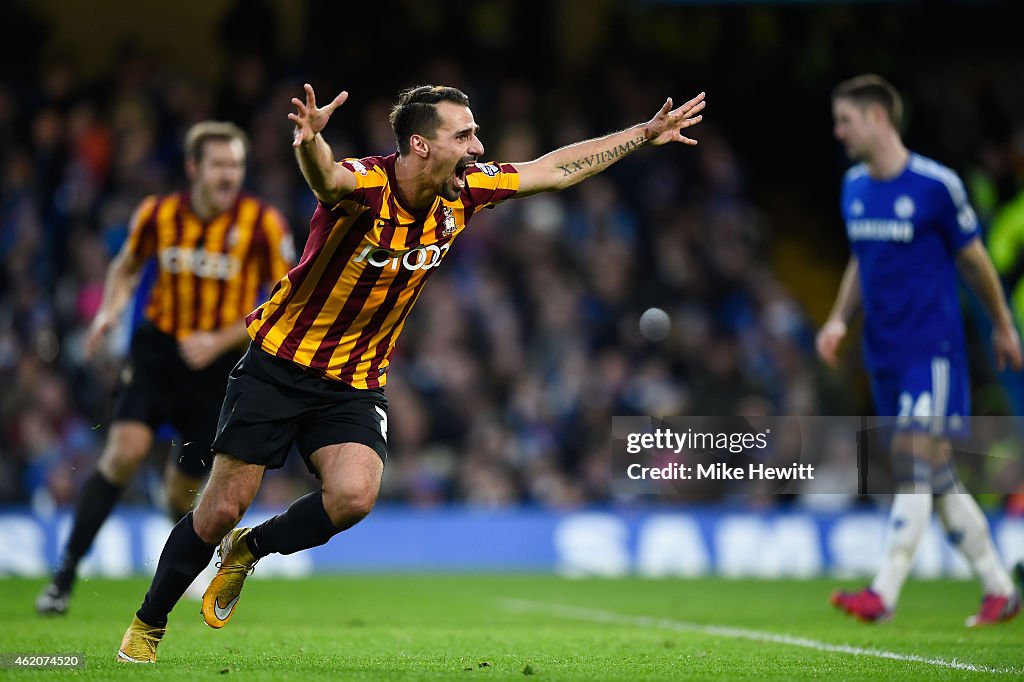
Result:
907,522
969,532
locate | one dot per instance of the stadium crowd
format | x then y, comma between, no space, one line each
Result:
523,346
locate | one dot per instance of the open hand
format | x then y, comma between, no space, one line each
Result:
311,119
668,124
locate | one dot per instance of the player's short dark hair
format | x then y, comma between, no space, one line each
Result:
416,113
872,89
200,133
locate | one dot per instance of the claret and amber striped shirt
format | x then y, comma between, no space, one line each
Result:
340,310
210,274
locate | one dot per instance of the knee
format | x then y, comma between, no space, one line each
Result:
214,519
348,506
119,463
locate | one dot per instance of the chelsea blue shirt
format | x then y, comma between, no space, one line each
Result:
905,232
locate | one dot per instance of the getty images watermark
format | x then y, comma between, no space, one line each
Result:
715,456
725,443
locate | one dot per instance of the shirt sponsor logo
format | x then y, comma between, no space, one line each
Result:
176,260
880,230
419,258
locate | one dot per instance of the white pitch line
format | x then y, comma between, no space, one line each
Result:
598,616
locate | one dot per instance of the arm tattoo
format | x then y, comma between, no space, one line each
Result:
602,157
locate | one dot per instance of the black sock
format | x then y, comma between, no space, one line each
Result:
184,557
303,525
94,506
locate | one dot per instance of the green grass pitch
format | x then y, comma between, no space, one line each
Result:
470,628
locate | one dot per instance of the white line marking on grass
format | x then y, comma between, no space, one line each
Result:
598,616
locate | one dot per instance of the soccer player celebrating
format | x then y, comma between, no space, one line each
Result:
215,249
320,351
910,228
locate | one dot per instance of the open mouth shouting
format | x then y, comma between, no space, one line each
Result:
457,181
461,167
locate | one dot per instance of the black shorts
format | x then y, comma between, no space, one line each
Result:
157,387
273,403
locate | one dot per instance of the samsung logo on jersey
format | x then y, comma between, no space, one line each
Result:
880,230
420,258
201,263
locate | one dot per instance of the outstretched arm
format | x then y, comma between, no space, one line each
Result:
974,264
328,180
846,306
566,166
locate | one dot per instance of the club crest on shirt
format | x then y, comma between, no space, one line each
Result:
488,169
449,222
856,207
904,207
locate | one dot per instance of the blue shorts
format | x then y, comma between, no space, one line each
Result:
929,396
